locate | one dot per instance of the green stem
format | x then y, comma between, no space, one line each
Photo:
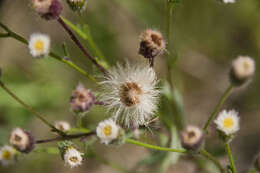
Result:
207,155
231,160
52,54
217,107
2,85
131,141
79,121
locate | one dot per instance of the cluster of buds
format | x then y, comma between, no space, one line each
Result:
22,140
192,138
77,5
152,44
47,9
71,156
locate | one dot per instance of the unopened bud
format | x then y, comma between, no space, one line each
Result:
48,9
192,138
77,5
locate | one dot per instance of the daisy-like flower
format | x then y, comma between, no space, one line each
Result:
107,131
23,141
62,125
39,45
228,122
73,157
243,68
229,1
7,155
131,92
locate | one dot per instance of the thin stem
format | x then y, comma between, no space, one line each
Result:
231,160
67,137
77,42
218,106
207,155
52,54
131,141
79,121
2,85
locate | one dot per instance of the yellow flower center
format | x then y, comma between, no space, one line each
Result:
228,122
6,155
73,159
107,130
38,45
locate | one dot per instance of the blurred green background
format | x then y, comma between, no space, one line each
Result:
207,35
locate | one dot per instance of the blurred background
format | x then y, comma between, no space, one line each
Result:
207,35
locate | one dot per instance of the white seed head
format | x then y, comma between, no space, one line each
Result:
243,67
39,45
228,122
73,157
62,125
7,155
229,1
41,6
107,131
131,92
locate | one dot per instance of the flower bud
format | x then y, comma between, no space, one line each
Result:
243,68
48,9
151,44
62,125
82,100
21,140
192,138
77,5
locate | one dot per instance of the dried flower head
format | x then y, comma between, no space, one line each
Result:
21,140
228,122
131,92
7,155
48,9
62,125
107,131
151,44
229,1
39,45
77,5
73,157
192,138
81,100
243,68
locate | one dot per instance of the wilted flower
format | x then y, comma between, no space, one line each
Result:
243,68
151,44
48,9
228,122
77,5
7,155
39,45
81,100
107,131
62,125
131,93
192,138
21,140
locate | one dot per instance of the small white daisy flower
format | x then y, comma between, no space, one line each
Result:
62,125
131,92
7,155
73,157
229,1
228,122
107,131
39,45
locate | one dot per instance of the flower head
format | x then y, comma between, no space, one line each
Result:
192,138
21,140
7,155
72,157
39,45
151,44
77,5
82,100
228,122
131,92
107,131
243,68
62,125
229,1
48,9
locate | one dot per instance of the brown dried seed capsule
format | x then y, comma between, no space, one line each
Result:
192,138
22,140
